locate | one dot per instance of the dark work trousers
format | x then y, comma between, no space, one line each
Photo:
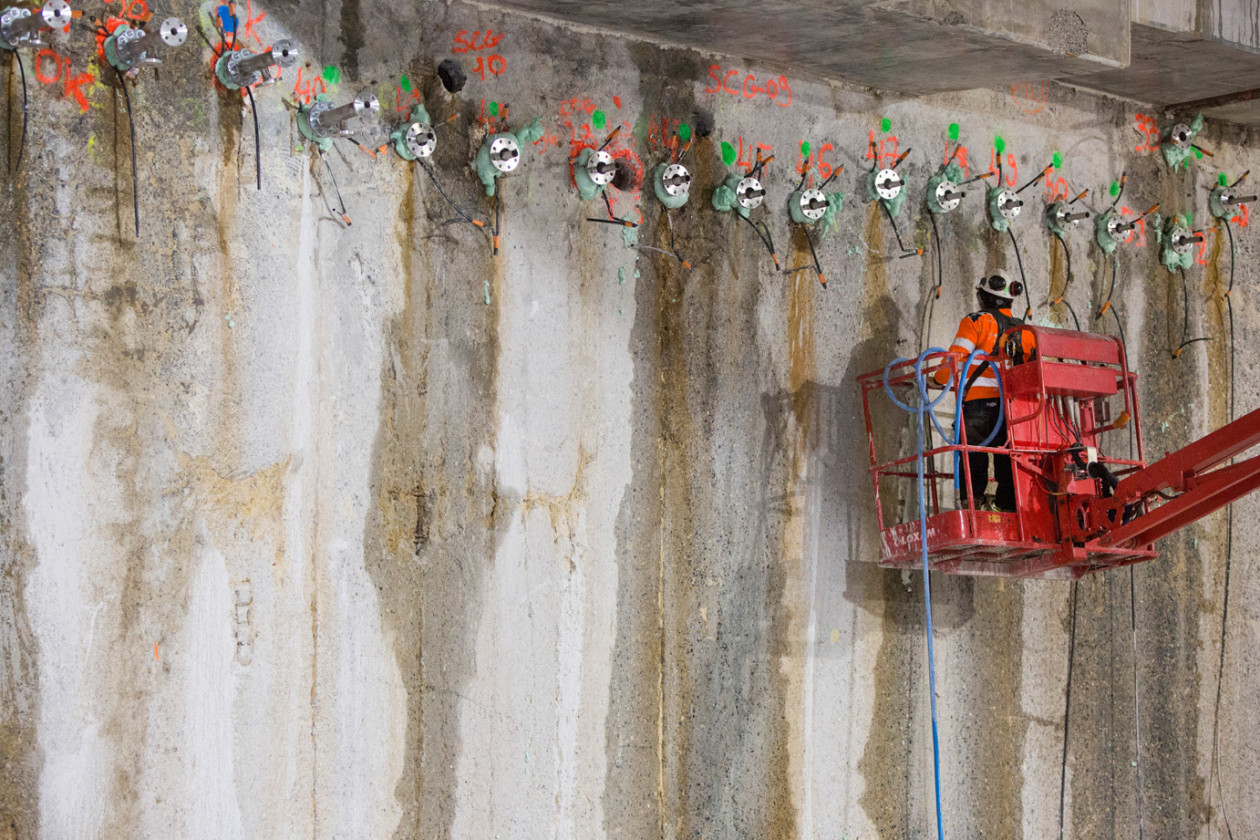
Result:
979,418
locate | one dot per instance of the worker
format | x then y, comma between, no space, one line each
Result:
981,411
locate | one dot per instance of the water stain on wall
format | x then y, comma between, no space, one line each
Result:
437,521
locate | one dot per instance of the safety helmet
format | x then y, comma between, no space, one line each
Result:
1000,287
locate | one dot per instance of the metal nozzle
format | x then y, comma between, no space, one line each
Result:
26,29
257,63
343,113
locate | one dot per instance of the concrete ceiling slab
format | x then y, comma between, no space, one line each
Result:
913,48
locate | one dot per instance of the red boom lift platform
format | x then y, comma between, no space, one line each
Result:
1078,509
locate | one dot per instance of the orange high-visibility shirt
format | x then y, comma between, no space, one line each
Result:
980,329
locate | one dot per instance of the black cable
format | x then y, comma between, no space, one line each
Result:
22,142
764,237
1020,262
936,288
1137,715
442,192
1063,296
498,204
612,217
344,215
1111,288
1123,343
257,144
809,240
940,270
817,265
1229,555
1137,712
8,116
212,47
1123,177
1067,708
135,197
1185,316
893,222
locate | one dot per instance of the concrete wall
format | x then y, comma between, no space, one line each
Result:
1232,21
304,538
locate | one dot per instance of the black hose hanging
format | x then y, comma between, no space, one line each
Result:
1229,556
1185,317
1063,295
345,217
1067,707
135,196
765,237
22,141
257,144
1022,279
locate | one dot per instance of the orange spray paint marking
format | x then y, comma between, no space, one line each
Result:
63,71
1147,127
155,652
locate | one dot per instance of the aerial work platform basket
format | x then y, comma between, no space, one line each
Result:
1078,508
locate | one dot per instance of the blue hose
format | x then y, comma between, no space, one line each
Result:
926,405
961,396
958,415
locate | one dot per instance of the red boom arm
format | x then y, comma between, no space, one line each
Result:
1192,475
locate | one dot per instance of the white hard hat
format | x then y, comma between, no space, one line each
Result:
1000,287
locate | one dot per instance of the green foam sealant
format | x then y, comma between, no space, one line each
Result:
1176,157
304,124
1222,180
724,199
1114,189
587,188
528,134
953,131
999,222
885,125
1216,206
805,149
1057,160
952,172
673,202
598,120
894,205
828,223
728,153
999,144
684,132
399,135
1172,260
332,75
1103,236
110,48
